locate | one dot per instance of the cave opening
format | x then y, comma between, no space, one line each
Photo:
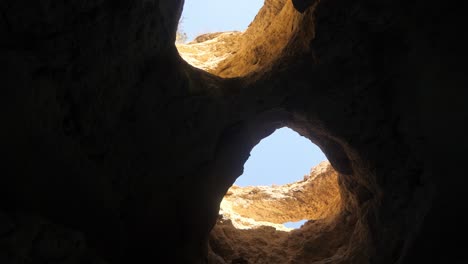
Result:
210,16
280,168
271,219
281,158
210,31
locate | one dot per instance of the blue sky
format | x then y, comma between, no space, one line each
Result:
295,224
204,16
283,157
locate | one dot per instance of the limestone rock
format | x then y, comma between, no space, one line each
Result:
207,51
315,197
250,224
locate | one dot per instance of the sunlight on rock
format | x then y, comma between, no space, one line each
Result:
207,51
240,53
315,197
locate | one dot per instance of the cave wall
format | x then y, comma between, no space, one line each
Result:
115,150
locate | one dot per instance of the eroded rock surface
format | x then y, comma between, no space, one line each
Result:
207,51
317,241
250,229
315,197
235,54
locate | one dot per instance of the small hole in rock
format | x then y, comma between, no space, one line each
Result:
295,225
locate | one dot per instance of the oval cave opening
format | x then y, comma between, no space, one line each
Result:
286,181
233,39
209,31
287,199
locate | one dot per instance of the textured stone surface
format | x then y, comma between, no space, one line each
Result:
235,54
110,135
250,227
315,197
319,241
207,51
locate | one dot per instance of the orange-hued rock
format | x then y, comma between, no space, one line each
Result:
209,50
317,240
315,197
235,54
250,229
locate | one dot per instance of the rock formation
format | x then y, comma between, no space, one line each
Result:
207,51
315,197
116,150
250,227
234,54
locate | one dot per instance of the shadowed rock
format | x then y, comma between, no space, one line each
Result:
116,150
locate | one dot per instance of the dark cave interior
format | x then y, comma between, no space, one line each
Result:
115,150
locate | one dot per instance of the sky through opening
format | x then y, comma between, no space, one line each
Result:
207,16
283,157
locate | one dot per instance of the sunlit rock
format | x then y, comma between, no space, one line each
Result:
315,197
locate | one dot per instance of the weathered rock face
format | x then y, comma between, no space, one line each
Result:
207,51
315,197
317,241
115,149
234,54
250,227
